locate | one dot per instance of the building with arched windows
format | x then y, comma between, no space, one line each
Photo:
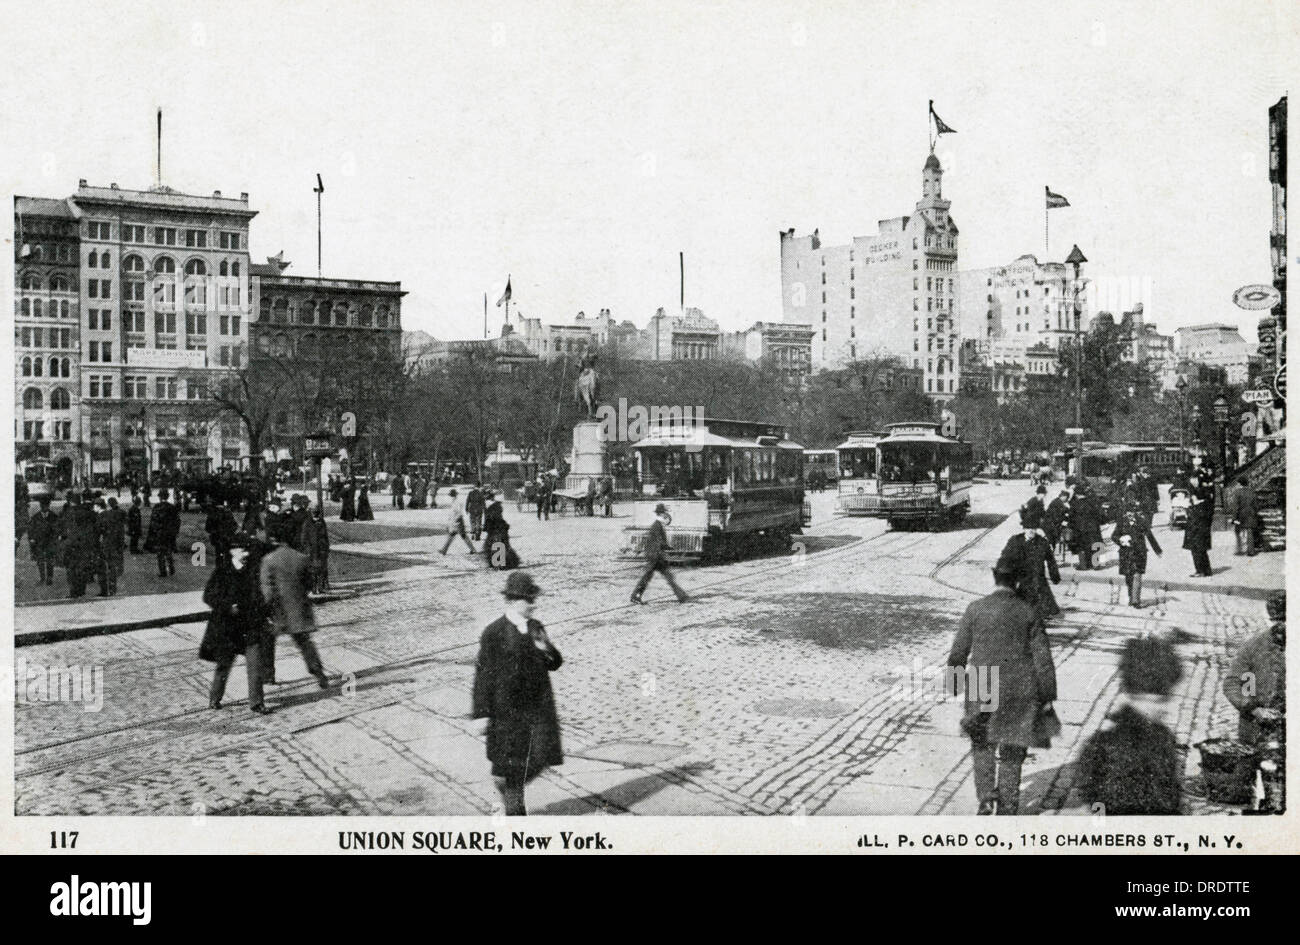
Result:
310,322
47,263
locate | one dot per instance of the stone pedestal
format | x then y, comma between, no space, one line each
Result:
589,456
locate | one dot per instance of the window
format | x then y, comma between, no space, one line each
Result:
60,399
94,351
236,355
164,323
381,317
164,236
164,388
101,385
341,313
97,230
229,241
134,321
32,430
196,239
132,233
196,323
366,316
307,314
133,291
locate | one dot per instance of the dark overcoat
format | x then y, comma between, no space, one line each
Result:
1133,556
1003,632
656,541
111,526
1034,563
43,534
1054,518
1130,766
512,690
78,538
1085,521
1200,518
238,612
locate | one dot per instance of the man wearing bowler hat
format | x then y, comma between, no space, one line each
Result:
512,690
656,559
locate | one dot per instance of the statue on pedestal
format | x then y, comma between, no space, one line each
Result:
587,389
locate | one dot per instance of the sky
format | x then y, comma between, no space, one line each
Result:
579,147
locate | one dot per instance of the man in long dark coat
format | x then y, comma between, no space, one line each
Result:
474,508
1200,519
1148,493
1008,713
164,526
78,545
135,524
1055,517
111,533
43,538
236,625
1028,554
220,526
1085,524
512,690
1243,511
285,579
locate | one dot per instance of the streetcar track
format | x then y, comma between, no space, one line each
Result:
427,657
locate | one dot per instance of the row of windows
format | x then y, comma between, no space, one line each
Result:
32,282
36,308
280,312
60,252
163,235
34,399
37,337
36,367
59,430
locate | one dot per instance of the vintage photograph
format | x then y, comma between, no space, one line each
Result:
662,410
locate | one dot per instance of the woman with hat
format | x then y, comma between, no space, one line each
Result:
236,623
496,530
512,690
1133,533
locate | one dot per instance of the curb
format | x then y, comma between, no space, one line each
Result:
36,637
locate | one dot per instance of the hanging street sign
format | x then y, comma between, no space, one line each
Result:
1256,297
1258,395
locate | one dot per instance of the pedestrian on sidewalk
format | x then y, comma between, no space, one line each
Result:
1054,519
474,507
1085,524
164,526
22,510
1131,764
220,526
1011,711
399,492
1200,519
43,539
236,625
656,557
1243,511
364,514
315,544
1148,493
112,544
543,498
78,547
1257,678
496,541
456,523
1133,533
348,513
607,495
1028,554
135,523
285,579
512,690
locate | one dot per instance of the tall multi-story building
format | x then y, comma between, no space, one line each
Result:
316,322
47,336
1024,304
893,293
163,299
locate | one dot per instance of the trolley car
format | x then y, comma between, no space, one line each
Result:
924,478
724,482
859,487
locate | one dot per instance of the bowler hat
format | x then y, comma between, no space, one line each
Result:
1149,665
519,586
661,509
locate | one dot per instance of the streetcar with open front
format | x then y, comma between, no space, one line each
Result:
923,477
725,483
859,485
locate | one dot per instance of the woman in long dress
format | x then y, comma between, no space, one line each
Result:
349,512
363,504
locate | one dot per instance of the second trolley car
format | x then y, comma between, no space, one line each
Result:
859,486
923,477
723,482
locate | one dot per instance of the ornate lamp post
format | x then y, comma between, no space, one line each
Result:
1077,259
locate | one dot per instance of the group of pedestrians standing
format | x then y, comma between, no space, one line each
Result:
479,513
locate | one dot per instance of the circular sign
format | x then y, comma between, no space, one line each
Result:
1279,382
1255,297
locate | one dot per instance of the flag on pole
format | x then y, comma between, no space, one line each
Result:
940,128
1055,200
505,296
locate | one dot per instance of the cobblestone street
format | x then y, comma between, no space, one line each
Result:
782,687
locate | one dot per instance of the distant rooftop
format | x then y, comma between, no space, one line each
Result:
164,198
46,207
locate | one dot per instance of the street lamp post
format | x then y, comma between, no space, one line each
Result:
1181,386
1076,259
1222,411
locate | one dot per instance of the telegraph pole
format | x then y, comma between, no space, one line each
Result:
318,190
